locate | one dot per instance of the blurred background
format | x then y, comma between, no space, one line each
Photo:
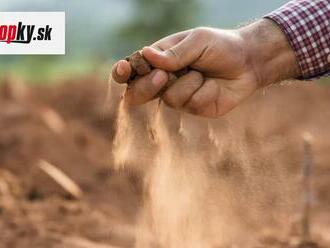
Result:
55,120
101,31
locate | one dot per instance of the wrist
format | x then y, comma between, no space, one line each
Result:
269,52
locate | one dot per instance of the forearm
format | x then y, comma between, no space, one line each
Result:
269,52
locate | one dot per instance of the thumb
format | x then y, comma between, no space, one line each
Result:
175,58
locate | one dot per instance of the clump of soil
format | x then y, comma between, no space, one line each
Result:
71,125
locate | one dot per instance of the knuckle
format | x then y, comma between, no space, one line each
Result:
173,52
194,104
201,31
176,62
196,76
169,100
142,88
172,99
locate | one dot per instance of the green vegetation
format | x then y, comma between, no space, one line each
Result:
40,69
151,21
145,22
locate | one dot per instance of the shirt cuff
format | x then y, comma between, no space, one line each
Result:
307,26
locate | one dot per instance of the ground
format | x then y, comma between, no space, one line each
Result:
69,126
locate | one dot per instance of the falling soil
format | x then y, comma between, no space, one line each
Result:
208,183
154,177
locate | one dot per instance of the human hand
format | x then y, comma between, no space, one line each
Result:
226,67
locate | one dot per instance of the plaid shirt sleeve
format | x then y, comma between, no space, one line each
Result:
306,24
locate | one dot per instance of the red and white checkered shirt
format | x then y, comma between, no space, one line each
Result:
306,24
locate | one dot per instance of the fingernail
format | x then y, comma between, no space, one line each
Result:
120,70
159,78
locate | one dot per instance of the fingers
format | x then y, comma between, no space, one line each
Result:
204,102
121,71
146,88
170,54
183,89
176,57
193,94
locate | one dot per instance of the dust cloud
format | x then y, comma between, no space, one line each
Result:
206,182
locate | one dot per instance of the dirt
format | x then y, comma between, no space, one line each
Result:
71,126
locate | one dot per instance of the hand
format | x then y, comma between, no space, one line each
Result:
227,66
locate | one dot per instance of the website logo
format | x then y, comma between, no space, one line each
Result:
32,33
